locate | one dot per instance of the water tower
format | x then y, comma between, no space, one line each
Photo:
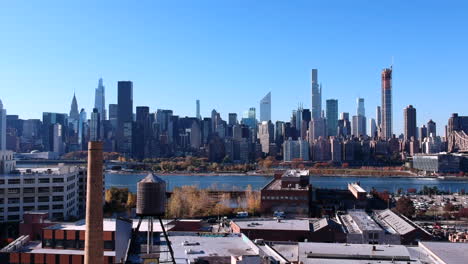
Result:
151,203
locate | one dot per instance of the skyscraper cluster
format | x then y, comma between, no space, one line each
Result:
324,134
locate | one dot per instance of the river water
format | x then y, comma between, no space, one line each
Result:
240,182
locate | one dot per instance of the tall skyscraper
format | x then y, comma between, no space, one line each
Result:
387,130
95,126
2,127
48,121
372,128
232,119
82,129
359,126
265,108
316,96
422,133
378,116
431,128
113,113
74,114
332,116
124,113
361,110
409,115
100,100
198,109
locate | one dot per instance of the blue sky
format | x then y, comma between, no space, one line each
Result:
229,54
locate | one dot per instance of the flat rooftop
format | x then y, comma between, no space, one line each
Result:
109,225
49,170
446,252
327,253
272,224
276,185
35,247
189,246
392,222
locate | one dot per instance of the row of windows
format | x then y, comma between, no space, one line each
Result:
32,208
296,198
41,199
33,180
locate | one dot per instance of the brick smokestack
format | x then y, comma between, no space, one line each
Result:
94,243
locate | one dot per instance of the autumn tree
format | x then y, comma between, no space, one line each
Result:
405,206
252,199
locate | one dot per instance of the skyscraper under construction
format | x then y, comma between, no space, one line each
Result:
386,113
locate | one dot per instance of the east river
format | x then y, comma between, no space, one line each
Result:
240,182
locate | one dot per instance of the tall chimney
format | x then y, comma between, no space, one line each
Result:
94,243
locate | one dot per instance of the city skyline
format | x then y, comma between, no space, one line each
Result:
347,71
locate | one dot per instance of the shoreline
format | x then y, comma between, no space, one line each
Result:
240,174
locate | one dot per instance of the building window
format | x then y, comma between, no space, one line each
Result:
57,206
109,245
2,181
59,243
13,190
13,181
44,180
57,189
29,190
13,217
43,189
13,200
70,244
13,209
57,198
57,180
29,181
43,207
44,199
49,243
28,208
28,199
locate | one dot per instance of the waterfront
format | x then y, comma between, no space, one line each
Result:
240,182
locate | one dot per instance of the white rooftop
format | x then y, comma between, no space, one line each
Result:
189,246
357,221
327,253
109,225
446,252
393,222
272,224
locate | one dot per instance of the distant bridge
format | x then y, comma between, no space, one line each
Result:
458,141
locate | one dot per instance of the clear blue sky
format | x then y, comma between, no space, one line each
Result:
229,54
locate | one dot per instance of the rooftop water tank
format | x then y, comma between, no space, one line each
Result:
151,196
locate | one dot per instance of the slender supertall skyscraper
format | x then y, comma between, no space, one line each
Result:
265,108
2,127
100,100
409,114
316,96
387,131
198,109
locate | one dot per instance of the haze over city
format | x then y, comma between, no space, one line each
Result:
229,54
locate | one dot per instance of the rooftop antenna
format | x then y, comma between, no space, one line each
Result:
391,66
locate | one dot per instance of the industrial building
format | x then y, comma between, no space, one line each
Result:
289,192
312,230
54,189
360,228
